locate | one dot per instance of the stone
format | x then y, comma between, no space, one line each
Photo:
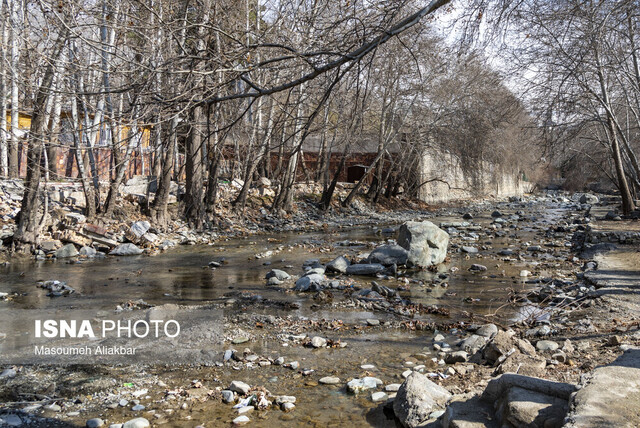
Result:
560,357
456,357
473,343
478,268
88,251
425,242
245,409
388,255
417,398
274,281
94,423
53,407
264,182
338,265
239,387
525,408
11,420
48,246
329,380
139,228
487,330
318,342
503,344
525,273
137,407
467,216
469,250
357,386
526,365
546,345
365,269
313,282
67,251
280,275
392,387
496,214
127,249
591,407
379,396
241,420
373,322
287,407
227,396
588,199
8,374
281,399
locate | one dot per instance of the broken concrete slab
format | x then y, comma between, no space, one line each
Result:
610,395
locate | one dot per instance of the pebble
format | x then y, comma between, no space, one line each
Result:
244,409
123,402
329,380
392,387
137,423
379,396
546,345
294,365
279,361
11,420
137,407
478,268
94,423
406,373
367,367
239,387
287,407
8,373
53,407
227,396
356,386
373,322
241,420
318,342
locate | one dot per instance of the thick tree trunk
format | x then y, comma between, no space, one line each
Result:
28,225
161,201
15,55
194,192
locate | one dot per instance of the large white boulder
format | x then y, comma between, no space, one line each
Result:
427,243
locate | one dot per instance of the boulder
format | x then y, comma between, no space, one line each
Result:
357,386
139,228
365,269
425,242
137,423
127,249
338,265
313,282
388,255
280,275
417,398
589,199
88,251
67,251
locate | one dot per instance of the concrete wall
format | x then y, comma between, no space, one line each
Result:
456,183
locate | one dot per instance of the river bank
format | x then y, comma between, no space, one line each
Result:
538,283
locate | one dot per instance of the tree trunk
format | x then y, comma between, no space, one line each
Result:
15,55
194,192
28,225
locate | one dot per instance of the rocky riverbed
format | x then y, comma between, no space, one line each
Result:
304,341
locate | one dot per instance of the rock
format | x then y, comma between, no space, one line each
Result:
560,357
469,250
392,387
525,408
496,214
417,398
388,255
53,407
318,342
338,265
11,420
241,420
525,273
137,407
365,269
373,322
608,396
425,242
467,216
568,346
239,387
473,343
357,386
478,268
245,409
127,249
8,374
94,423
273,281
379,396
503,344
139,228
88,251
287,407
280,275
264,182
123,403
227,396
526,365
67,251
546,345
588,199
329,380
456,357
48,246
487,330
313,282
